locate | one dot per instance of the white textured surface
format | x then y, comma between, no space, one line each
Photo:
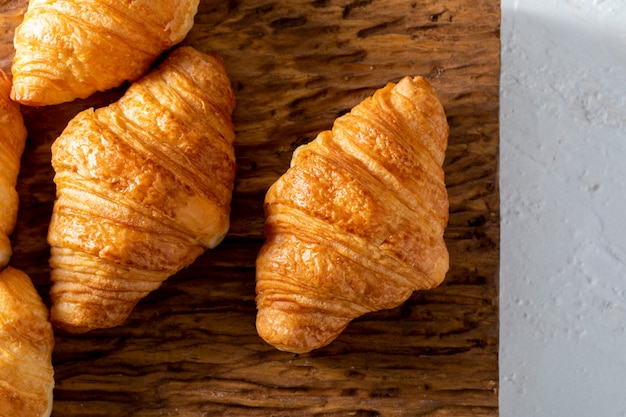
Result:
563,208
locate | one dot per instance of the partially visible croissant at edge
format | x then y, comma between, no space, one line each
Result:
26,344
12,141
70,49
357,222
143,188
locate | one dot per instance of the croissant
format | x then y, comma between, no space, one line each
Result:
356,223
26,344
12,141
70,49
143,188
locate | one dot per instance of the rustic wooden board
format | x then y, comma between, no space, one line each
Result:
191,348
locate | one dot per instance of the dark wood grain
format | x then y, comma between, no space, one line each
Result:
190,348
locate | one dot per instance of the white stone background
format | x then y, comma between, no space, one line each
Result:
563,208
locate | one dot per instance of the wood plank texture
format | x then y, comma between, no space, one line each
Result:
190,348
11,14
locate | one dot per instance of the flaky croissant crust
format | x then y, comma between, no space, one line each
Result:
12,141
26,344
67,49
356,224
143,188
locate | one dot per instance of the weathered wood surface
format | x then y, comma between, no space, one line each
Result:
11,14
190,348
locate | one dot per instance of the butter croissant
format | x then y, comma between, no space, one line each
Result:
12,141
68,49
143,188
26,344
356,223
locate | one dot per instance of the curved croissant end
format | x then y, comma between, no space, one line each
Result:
26,343
143,188
12,141
357,222
70,49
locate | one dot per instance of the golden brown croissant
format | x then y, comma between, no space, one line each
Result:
356,224
12,141
26,344
70,49
143,188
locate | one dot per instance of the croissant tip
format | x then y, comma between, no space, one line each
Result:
81,317
78,328
5,256
301,332
37,97
69,328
